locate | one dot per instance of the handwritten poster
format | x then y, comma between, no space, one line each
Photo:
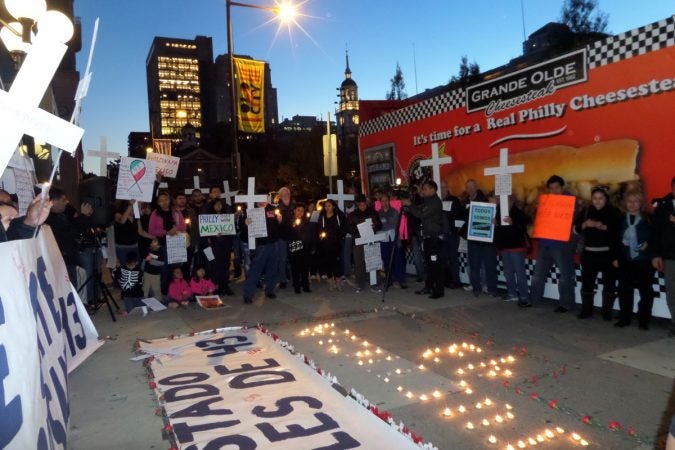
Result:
554,217
481,227
216,224
258,226
373,256
175,249
167,164
136,179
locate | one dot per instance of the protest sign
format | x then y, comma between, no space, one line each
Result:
209,301
258,226
238,386
216,224
166,164
372,254
481,226
136,179
45,333
554,217
175,249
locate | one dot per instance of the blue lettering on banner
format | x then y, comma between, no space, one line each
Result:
176,380
201,409
171,395
222,370
242,443
12,419
219,344
184,432
271,377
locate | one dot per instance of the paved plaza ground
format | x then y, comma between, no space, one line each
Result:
563,369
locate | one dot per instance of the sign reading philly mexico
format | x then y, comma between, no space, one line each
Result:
216,224
528,84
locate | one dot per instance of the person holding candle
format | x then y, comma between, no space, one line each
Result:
390,220
300,243
285,209
331,229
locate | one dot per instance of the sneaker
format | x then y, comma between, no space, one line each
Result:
324,277
343,278
248,300
312,277
510,298
282,285
375,289
468,287
560,309
524,304
270,295
403,286
357,290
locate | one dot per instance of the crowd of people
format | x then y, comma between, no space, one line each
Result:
308,242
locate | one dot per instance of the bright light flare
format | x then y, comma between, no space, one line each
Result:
286,12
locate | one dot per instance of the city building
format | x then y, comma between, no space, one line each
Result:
180,86
138,143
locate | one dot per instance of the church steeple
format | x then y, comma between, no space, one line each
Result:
348,72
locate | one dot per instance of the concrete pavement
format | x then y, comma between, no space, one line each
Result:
563,368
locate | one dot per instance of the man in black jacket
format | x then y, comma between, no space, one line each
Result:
452,214
433,228
664,248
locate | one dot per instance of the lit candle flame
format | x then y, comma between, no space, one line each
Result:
492,439
549,434
488,402
584,442
521,444
486,423
436,394
469,426
479,405
447,412
499,419
559,430
576,437
509,415
461,409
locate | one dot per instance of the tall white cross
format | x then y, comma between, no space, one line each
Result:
435,162
340,197
503,180
19,107
368,237
227,194
195,183
250,199
104,155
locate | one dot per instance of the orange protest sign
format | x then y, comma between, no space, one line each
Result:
554,217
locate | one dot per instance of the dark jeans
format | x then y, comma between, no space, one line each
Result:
636,275
282,257
300,268
433,252
593,263
265,262
514,272
452,257
562,255
90,261
397,267
482,254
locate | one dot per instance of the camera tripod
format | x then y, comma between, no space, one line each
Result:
104,295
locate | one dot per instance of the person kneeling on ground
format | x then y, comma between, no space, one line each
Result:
180,293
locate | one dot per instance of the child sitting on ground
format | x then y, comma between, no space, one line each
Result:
180,293
130,279
200,285
154,262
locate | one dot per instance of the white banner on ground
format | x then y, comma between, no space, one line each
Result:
238,387
45,333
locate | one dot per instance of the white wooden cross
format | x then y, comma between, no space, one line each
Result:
503,180
435,162
19,107
104,155
227,194
369,237
340,197
195,182
250,199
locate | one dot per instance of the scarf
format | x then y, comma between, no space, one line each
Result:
630,239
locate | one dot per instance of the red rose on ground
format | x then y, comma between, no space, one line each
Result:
615,426
152,385
631,432
586,419
553,404
534,396
507,384
168,427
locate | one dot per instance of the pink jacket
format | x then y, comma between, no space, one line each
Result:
202,287
156,226
179,290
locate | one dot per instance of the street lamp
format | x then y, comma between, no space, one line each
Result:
285,13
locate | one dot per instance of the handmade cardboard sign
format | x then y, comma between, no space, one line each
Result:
481,224
136,179
216,224
167,164
554,217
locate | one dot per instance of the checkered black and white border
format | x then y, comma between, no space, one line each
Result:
632,43
551,289
626,45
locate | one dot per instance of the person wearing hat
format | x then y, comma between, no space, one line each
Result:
356,217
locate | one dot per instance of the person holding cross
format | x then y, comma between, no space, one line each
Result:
356,217
433,228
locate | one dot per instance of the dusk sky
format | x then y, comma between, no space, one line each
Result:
308,66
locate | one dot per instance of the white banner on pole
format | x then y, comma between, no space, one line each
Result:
238,387
45,333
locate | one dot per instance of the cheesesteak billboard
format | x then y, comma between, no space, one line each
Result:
600,114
